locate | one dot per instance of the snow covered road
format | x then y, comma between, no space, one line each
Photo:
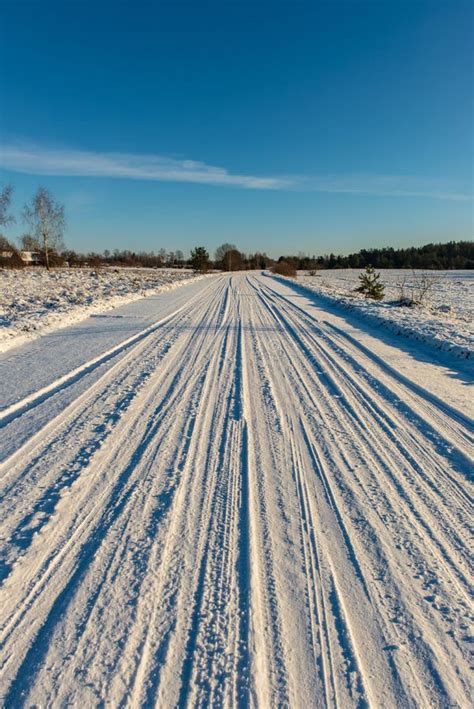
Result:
250,502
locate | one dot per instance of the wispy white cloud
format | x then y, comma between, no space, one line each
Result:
37,160
40,161
385,186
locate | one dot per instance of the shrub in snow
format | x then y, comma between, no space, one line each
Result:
370,285
283,268
418,290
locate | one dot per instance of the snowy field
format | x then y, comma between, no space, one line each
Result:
445,319
254,500
34,301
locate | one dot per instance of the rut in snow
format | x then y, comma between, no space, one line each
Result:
243,504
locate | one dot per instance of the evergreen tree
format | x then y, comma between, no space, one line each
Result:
200,259
370,284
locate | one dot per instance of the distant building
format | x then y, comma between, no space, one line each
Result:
30,257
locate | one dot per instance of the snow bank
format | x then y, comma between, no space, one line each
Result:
36,301
444,320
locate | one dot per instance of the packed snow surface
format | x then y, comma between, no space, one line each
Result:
34,301
444,319
233,495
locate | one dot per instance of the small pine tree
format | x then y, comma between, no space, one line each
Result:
200,259
370,285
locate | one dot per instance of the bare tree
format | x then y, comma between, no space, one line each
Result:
233,260
29,243
418,289
46,220
222,250
427,283
9,256
5,202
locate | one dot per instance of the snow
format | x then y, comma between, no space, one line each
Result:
445,320
35,301
234,494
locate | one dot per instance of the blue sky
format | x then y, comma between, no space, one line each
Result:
279,126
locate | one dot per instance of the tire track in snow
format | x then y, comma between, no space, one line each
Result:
339,416
110,501
393,431
89,422
192,641
327,645
35,398
222,595
261,526
38,405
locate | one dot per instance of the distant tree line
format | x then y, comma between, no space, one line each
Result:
453,255
125,257
43,244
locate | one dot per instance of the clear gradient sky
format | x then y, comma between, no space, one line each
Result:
279,126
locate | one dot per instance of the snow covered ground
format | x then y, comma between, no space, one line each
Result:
255,499
34,301
445,320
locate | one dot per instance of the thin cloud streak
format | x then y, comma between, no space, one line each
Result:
75,163
384,186
34,160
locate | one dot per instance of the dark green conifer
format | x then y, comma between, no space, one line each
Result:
370,284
